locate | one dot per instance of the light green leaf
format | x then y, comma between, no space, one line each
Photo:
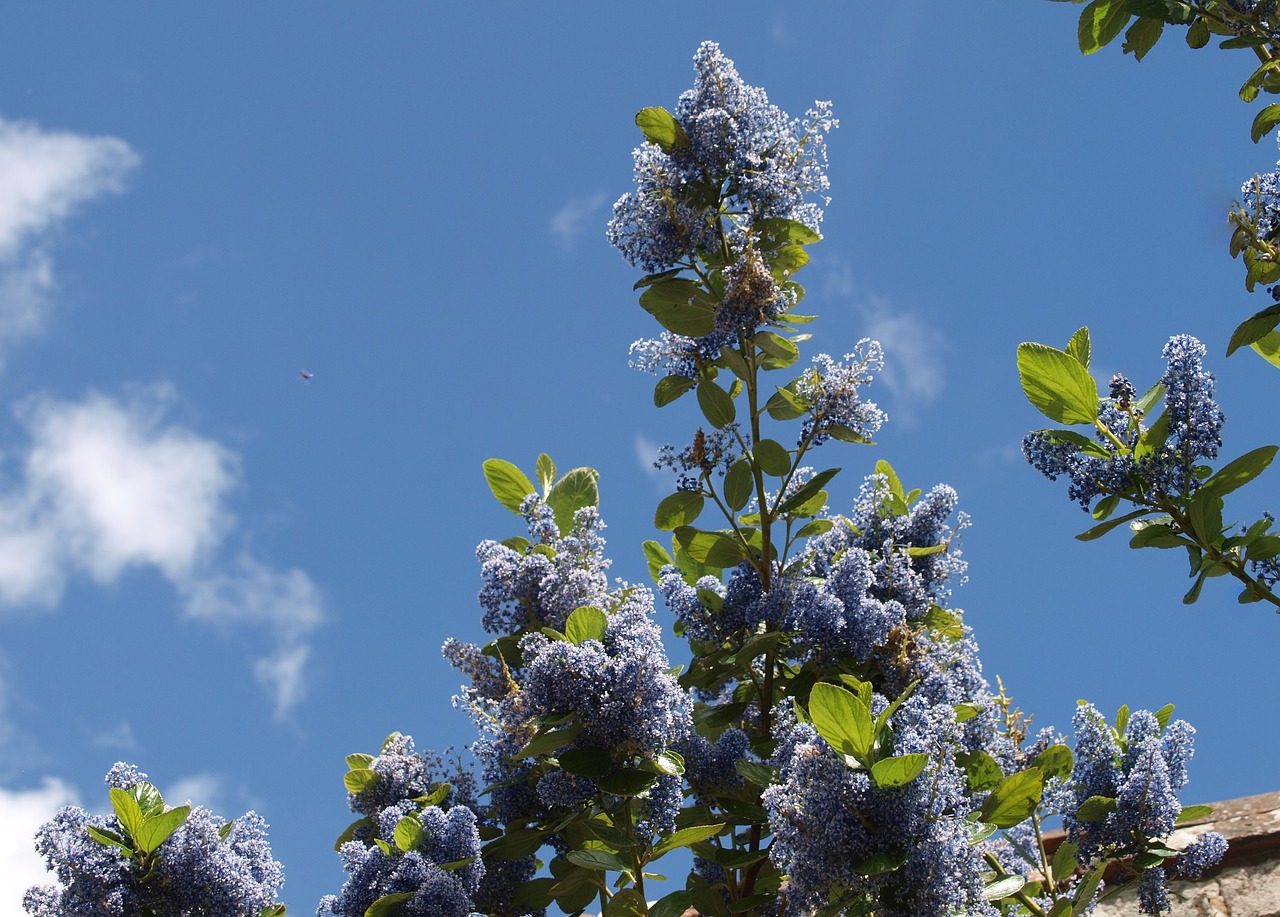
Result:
359,779
409,833
359,760
546,470
109,839
1194,814
685,837
386,905
716,404
1254,327
1081,347
842,719
899,770
1003,888
546,742
1056,384
1240,471
586,623
1014,799
577,490
1268,347
1055,761
656,557
661,127
1100,22
1264,121
508,483
127,811
681,508
156,828
719,549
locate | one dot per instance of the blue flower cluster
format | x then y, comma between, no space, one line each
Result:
1140,768
1194,433
541,588
430,874
708,453
204,869
831,391
736,138
1260,196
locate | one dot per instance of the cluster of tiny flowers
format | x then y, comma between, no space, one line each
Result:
1194,424
1141,770
623,697
529,589
828,819
671,354
374,872
708,453
831,391
196,871
737,140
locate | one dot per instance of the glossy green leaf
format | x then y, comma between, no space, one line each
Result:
508,483
627,781
1003,888
1100,22
586,762
669,388
816,527
1056,384
681,508
545,742
586,623
649,280
1238,472
1254,327
1081,347
980,769
686,836
435,797
716,404
514,844
1268,347
109,839
1055,761
661,127
787,260
127,811
387,905
359,779
148,797
776,346
157,828
731,360
347,835
1164,714
715,548
356,761
898,770
546,471
1096,808
1263,123
1014,799
577,490
842,719
772,457
774,232
880,863
409,833
738,485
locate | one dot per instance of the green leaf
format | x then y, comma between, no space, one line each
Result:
127,811
514,845
669,388
680,306
1163,715
668,762
1193,814
1087,888
388,904
508,483
738,485
672,905
1014,799
1198,34
880,863
899,770
761,775
409,833
109,839
980,769
715,548
1064,860
1056,384
966,710
685,837
1055,761
359,760
577,490
272,910
1096,808
1264,121
1003,888
649,280
660,127
1204,512
1081,347
156,828
1099,530
787,260
772,457
1173,12
785,404
681,508
1142,36
716,404
776,346
657,557
347,835
806,493
816,527
626,903
359,779
148,797
598,860
774,232
842,719
546,471
1100,22
1239,472
586,623
1268,347
586,762
544,743
1254,327
435,797
627,781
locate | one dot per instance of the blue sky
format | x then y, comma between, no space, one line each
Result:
233,577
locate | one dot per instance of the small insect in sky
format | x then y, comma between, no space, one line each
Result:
306,376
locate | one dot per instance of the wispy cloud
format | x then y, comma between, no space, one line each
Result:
117,738
914,352
44,177
110,485
569,222
202,789
21,813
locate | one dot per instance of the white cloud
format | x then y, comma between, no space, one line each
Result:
112,485
913,368
21,813
198,789
44,177
118,738
571,220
